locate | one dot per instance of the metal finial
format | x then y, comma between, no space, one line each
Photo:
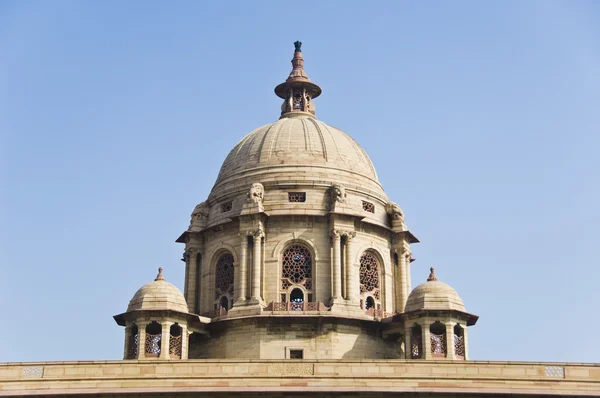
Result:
160,276
432,276
297,45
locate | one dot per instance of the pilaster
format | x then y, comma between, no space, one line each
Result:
337,266
257,236
142,341
185,336
464,327
450,354
426,340
128,330
407,341
165,340
352,282
242,279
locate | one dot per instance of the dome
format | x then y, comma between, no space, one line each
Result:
158,295
434,295
302,146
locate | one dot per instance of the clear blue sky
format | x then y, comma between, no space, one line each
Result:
482,119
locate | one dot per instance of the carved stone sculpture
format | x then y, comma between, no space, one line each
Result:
256,192
338,194
199,215
394,211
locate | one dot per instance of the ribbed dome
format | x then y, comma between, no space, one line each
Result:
158,295
298,140
434,295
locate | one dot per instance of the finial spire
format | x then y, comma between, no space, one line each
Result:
297,91
432,276
160,276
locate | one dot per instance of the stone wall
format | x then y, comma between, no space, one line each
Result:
292,377
272,337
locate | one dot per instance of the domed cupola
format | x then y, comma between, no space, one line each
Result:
157,322
297,227
435,322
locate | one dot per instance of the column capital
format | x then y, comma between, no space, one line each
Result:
257,233
335,233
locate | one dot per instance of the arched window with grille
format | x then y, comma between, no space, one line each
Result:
224,271
370,287
459,342
437,335
296,274
416,344
153,339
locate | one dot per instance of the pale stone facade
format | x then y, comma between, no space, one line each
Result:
297,225
297,282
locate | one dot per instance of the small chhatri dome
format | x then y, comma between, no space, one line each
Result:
158,295
434,295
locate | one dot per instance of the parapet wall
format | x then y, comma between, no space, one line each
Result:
273,378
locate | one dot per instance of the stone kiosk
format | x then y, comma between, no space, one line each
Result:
297,282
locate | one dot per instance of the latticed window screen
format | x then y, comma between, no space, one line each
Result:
297,196
153,344
175,346
296,267
224,276
369,274
416,350
225,207
368,206
132,349
438,345
459,346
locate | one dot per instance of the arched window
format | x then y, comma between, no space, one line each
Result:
296,271
438,340
224,280
459,342
369,281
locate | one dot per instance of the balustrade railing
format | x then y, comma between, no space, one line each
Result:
378,313
296,306
222,311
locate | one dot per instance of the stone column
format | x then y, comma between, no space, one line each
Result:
142,341
407,341
464,328
400,285
184,341
337,266
352,282
256,271
407,286
450,354
426,343
190,275
165,340
128,331
242,281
